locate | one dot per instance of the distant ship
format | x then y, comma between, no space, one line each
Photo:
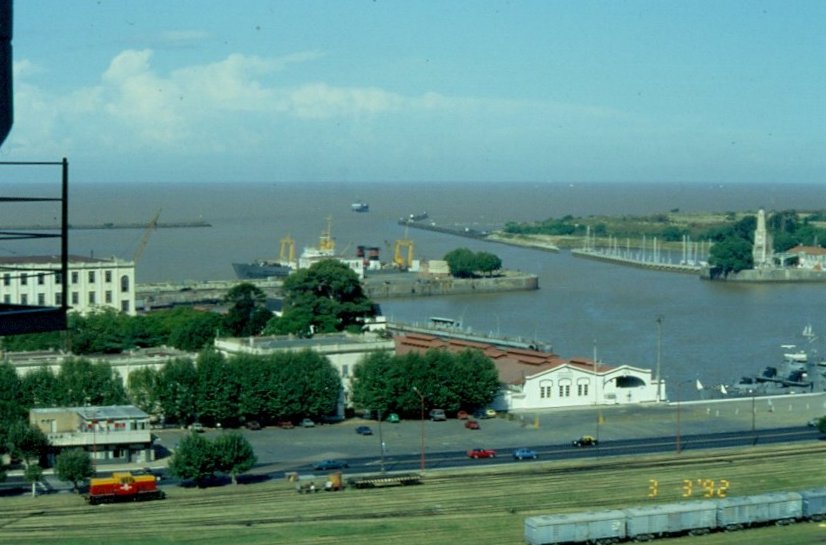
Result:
261,269
360,206
414,217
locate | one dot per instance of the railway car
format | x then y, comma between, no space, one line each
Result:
591,527
123,486
814,503
671,519
744,511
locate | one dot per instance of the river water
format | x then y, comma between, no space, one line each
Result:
711,332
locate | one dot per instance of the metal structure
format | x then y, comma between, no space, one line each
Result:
151,226
17,319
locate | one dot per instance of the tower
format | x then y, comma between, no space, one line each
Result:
762,250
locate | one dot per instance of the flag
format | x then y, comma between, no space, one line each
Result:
723,389
699,385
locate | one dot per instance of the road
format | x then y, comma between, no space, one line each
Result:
620,429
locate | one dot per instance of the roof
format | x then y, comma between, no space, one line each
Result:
512,364
112,412
48,259
807,250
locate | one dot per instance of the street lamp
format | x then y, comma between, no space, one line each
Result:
659,356
381,443
421,398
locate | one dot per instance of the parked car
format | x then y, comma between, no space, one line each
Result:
485,413
197,427
524,454
438,415
472,425
286,425
364,430
253,425
393,418
462,415
585,441
327,465
481,453
307,423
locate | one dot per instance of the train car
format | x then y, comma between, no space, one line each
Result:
123,486
745,511
672,519
592,527
814,503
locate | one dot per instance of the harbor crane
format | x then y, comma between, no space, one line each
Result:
151,226
403,252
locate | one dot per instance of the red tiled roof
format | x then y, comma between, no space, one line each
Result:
512,364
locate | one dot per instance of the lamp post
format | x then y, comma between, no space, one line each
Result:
659,356
421,398
381,444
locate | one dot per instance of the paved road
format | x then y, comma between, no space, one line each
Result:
279,449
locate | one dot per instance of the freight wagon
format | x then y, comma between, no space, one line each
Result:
123,487
674,519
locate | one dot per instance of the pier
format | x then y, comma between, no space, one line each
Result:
601,255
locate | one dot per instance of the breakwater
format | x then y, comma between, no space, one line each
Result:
382,287
777,275
638,263
108,225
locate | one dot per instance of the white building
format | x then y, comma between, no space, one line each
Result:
533,380
93,283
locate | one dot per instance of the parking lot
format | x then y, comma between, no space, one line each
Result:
279,449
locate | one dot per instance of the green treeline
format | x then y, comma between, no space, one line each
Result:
788,228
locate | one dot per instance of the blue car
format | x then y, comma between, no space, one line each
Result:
524,454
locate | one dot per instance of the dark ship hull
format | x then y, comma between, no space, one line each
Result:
261,270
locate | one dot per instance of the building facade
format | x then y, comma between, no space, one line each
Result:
92,284
114,434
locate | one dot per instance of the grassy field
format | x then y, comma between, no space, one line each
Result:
480,506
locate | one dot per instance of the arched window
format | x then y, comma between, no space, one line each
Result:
124,283
546,389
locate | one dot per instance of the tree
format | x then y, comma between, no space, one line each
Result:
40,388
731,255
195,330
178,390
324,298
193,459
462,262
217,392
74,466
25,441
142,389
487,263
233,455
248,314
81,382
33,475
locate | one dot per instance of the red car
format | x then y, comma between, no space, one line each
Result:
462,415
481,453
472,425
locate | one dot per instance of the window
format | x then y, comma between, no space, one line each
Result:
546,389
41,279
24,299
41,299
565,390
107,277
107,297
124,306
75,298
582,389
7,299
91,277
7,279
124,284
75,277
58,299
58,278
345,370
24,279
92,298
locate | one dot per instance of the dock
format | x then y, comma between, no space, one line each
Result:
643,263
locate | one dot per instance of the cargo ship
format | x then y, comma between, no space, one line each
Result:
360,206
261,269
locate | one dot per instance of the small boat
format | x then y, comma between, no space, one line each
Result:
360,206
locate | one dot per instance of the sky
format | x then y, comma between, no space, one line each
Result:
721,91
